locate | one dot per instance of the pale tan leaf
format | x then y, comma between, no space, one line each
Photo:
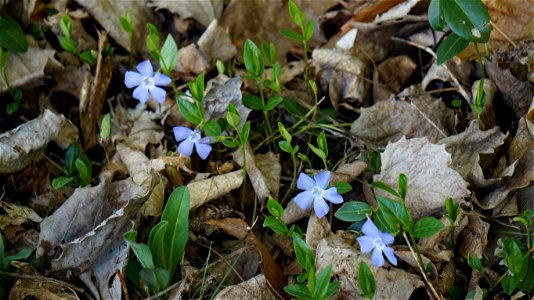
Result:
317,230
254,288
347,172
388,121
466,148
259,180
430,178
269,166
397,12
201,10
18,147
474,237
215,187
221,91
154,204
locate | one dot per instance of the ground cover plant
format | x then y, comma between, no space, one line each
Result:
266,149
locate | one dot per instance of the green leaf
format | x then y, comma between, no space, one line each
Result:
293,11
269,50
199,87
189,111
283,131
65,25
245,131
253,59
313,86
141,251
321,142
230,143
403,185
273,102
512,254
68,44
275,209
88,57
343,187
468,18
435,15
450,47
385,187
105,126
212,128
353,211
395,210
252,101
308,30
386,222
4,55
299,291
332,288
126,22
169,54
366,281
11,35
232,116
291,34
12,107
62,181
157,248
293,107
176,213
285,146
322,281
220,67
452,209
71,155
474,262
426,227
317,151
509,284
156,279
276,225
152,40
303,253
84,170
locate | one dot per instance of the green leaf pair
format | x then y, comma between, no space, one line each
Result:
77,167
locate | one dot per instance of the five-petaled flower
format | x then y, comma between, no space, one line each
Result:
190,138
374,239
316,192
146,82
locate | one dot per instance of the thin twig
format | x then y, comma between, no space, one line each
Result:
506,37
44,278
434,292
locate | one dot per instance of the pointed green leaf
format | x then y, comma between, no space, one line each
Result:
353,211
141,251
189,111
426,227
450,47
157,247
468,19
293,35
435,15
176,213
169,54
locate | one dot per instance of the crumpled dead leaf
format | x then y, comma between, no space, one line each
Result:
16,215
388,121
348,172
390,284
205,190
431,180
396,71
20,146
27,69
474,237
40,287
317,230
466,148
254,288
221,91
396,12
136,127
202,11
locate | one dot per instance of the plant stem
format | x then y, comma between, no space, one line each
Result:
479,60
305,58
265,115
294,159
244,155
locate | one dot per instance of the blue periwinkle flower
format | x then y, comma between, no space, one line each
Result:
146,82
190,138
316,192
378,241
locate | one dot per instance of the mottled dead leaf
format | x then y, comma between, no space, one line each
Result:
514,18
27,69
136,127
317,230
430,178
16,215
388,121
347,172
466,148
474,237
220,92
40,287
269,166
201,10
205,190
20,146
396,71
154,205
254,288
397,12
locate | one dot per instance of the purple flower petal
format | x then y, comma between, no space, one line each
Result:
388,251
366,243
161,79
203,150
332,195
205,140
186,147
305,182
181,133
377,258
158,94
304,199
369,228
320,207
387,238
145,68
323,179
141,93
132,79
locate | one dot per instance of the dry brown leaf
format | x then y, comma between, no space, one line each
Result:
474,237
523,140
430,178
347,172
72,80
317,230
202,11
254,288
136,127
466,148
390,284
154,205
388,121
20,146
513,18
269,166
457,68
370,10
40,287
293,213
221,91
27,69
108,12
399,11
396,71
16,215
205,190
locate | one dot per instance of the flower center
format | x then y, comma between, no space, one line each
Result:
379,244
147,82
317,192
194,136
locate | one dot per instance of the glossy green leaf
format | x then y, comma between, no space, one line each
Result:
245,132
68,44
303,253
322,281
169,54
252,102
275,209
84,170
513,254
452,209
427,227
291,34
273,102
126,22
141,251
62,181
88,57
435,15
308,30
468,19
343,187
283,131
450,47
293,11
157,248
269,50
385,187
105,126
189,111
299,291
403,185
317,151
353,211
253,59
321,142
71,155
275,225
212,128
285,146
65,25
230,143
395,210
156,279
366,281
11,35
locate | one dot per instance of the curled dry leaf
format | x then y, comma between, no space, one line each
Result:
474,237
215,187
293,213
341,74
347,172
200,10
16,215
455,68
466,148
219,93
254,288
396,71
387,121
28,68
430,178
269,166
20,146
317,230
513,18
390,284
399,11
136,127
40,287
